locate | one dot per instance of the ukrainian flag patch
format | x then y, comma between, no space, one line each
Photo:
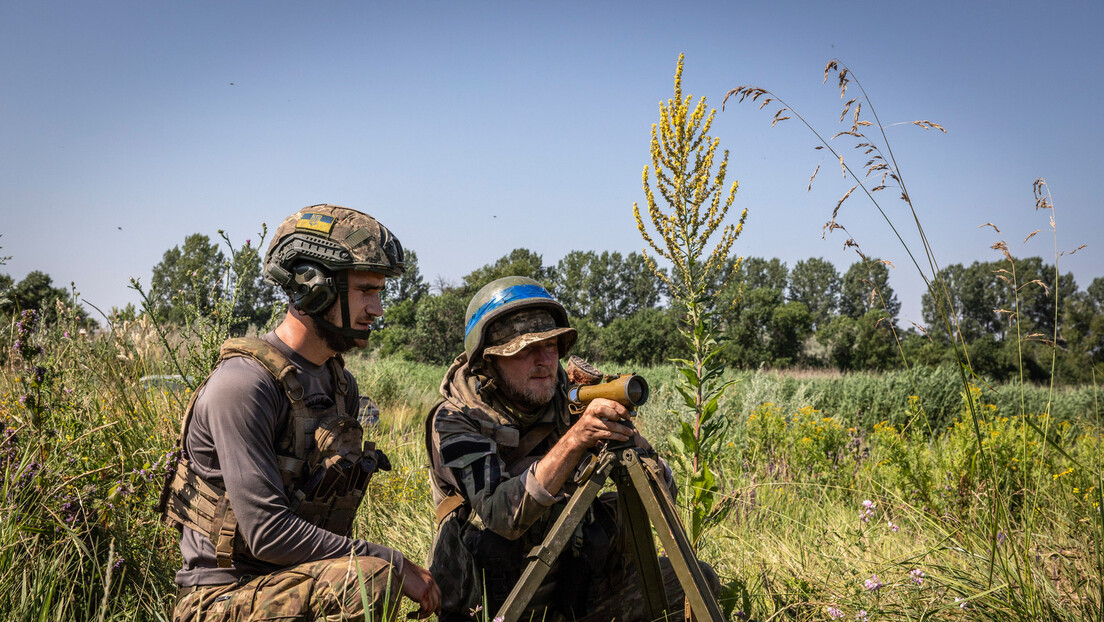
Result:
316,222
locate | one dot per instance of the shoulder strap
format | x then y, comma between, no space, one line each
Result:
341,385
285,373
454,501
261,351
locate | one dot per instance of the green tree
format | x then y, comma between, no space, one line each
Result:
188,275
863,343
815,283
438,334
397,329
409,286
1041,297
790,324
974,293
648,337
758,272
603,287
519,262
1082,334
748,328
257,302
865,287
36,291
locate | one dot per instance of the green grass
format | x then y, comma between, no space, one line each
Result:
1011,531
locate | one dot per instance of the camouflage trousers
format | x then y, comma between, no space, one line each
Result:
327,590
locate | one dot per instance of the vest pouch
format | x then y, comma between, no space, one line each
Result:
343,511
453,565
337,436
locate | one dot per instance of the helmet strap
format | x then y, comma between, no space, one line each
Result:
341,280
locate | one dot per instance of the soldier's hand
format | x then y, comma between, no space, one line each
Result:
418,585
642,442
599,422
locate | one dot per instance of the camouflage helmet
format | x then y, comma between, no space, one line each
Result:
510,313
312,245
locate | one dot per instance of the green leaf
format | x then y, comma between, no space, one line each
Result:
687,398
691,376
689,443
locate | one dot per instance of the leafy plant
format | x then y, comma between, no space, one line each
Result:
683,156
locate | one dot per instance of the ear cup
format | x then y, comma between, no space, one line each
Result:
312,289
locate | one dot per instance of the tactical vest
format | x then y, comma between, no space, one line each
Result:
323,460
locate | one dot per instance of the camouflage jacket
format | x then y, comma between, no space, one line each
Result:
473,445
473,438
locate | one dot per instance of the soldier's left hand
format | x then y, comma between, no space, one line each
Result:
418,585
600,422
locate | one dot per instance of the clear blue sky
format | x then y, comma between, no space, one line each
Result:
474,128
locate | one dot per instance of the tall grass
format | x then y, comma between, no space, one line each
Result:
911,495
83,454
1002,459
79,539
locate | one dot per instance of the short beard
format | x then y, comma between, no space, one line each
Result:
335,341
526,398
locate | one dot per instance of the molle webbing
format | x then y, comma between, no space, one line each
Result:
190,500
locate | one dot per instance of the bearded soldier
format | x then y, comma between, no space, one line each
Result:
274,464
502,446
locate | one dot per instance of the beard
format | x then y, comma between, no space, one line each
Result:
527,396
335,341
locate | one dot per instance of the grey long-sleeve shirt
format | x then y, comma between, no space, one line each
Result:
236,425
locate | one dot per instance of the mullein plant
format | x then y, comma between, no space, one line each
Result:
682,170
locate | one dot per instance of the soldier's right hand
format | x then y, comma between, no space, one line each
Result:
418,585
599,422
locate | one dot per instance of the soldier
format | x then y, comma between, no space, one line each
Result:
502,447
273,461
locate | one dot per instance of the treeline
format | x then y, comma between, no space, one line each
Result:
769,315
774,316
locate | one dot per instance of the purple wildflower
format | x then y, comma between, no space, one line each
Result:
861,615
834,613
872,583
917,576
868,510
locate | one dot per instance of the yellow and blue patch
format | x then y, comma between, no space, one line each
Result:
316,222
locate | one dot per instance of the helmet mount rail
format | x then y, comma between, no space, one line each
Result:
313,251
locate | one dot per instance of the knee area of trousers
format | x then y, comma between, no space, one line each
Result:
711,578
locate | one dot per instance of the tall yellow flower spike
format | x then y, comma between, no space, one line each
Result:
683,156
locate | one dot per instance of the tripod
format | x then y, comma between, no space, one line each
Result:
643,502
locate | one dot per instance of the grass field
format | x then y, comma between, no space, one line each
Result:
850,497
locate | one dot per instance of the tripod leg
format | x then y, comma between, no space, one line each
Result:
543,556
638,535
674,540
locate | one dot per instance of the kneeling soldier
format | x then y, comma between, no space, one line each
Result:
273,462
502,446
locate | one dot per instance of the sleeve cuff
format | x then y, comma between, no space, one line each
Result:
535,490
386,553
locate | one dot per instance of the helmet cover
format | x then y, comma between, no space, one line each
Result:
506,296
